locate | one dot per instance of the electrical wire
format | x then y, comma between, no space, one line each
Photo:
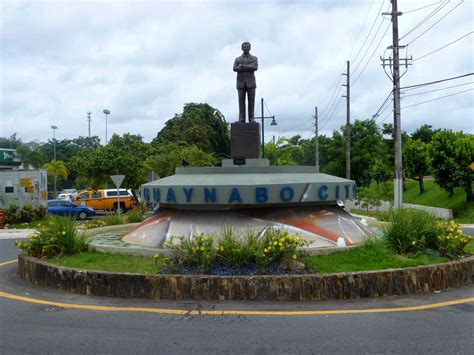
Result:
447,45
429,28
438,98
329,103
430,15
370,45
361,28
323,124
448,87
423,7
380,110
371,56
435,82
370,31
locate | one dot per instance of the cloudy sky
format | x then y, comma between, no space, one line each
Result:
143,60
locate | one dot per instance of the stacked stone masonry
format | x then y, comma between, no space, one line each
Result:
265,288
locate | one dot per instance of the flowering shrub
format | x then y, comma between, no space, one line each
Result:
279,246
57,236
15,214
417,231
451,239
275,248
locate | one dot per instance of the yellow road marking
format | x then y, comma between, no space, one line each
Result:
230,312
8,262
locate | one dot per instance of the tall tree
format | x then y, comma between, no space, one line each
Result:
200,125
452,154
425,133
126,155
165,158
416,160
11,142
56,169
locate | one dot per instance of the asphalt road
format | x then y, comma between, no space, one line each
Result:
40,328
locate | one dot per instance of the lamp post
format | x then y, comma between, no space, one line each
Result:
273,123
106,112
54,141
54,155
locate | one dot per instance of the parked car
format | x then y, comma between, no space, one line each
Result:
68,194
106,199
66,208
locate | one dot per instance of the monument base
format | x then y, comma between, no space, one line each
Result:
245,140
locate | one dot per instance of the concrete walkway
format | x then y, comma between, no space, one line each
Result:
15,233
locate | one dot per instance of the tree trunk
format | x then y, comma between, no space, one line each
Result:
469,195
421,184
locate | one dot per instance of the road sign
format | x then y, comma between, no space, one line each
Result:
117,179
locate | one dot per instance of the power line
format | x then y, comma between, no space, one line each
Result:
370,31
436,82
361,28
429,28
329,117
376,114
430,15
423,7
370,45
448,87
329,103
436,50
438,98
370,57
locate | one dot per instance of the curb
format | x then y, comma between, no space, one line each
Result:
312,287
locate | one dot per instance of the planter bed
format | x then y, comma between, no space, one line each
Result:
307,287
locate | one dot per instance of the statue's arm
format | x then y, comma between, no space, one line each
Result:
252,66
237,66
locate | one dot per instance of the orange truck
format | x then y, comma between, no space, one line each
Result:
106,199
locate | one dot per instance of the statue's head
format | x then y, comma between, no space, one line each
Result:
246,47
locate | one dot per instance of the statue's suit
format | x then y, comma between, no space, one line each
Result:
245,65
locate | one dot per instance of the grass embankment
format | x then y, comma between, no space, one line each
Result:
372,255
436,197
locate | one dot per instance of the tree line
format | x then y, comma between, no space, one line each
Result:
199,136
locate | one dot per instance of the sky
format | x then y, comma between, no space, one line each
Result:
144,60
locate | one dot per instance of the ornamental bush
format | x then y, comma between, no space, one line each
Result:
451,240
418,231
276,247
58,236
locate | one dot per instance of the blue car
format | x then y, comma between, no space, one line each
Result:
66,208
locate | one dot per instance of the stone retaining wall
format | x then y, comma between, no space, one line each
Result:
265,288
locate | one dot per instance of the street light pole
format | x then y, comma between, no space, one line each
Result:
274,123
54,155
106,112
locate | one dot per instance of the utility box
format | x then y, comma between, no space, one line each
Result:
23,187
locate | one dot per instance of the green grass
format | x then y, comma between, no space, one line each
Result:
29,225
107,262
436,197
469,248
372,255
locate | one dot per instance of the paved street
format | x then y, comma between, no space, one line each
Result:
29,324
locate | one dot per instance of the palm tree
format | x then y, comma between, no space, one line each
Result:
56,169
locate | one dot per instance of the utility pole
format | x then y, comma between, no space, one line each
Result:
348,120
89,122
316,136
397,132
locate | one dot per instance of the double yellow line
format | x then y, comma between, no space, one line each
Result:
228,312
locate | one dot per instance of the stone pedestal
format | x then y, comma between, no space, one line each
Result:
245,140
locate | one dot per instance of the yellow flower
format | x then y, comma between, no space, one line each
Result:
414,242
294,256
63,233
265,250
202,248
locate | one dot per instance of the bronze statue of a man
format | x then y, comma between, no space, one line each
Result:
245,65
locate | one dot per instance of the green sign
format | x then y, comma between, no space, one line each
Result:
9,157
